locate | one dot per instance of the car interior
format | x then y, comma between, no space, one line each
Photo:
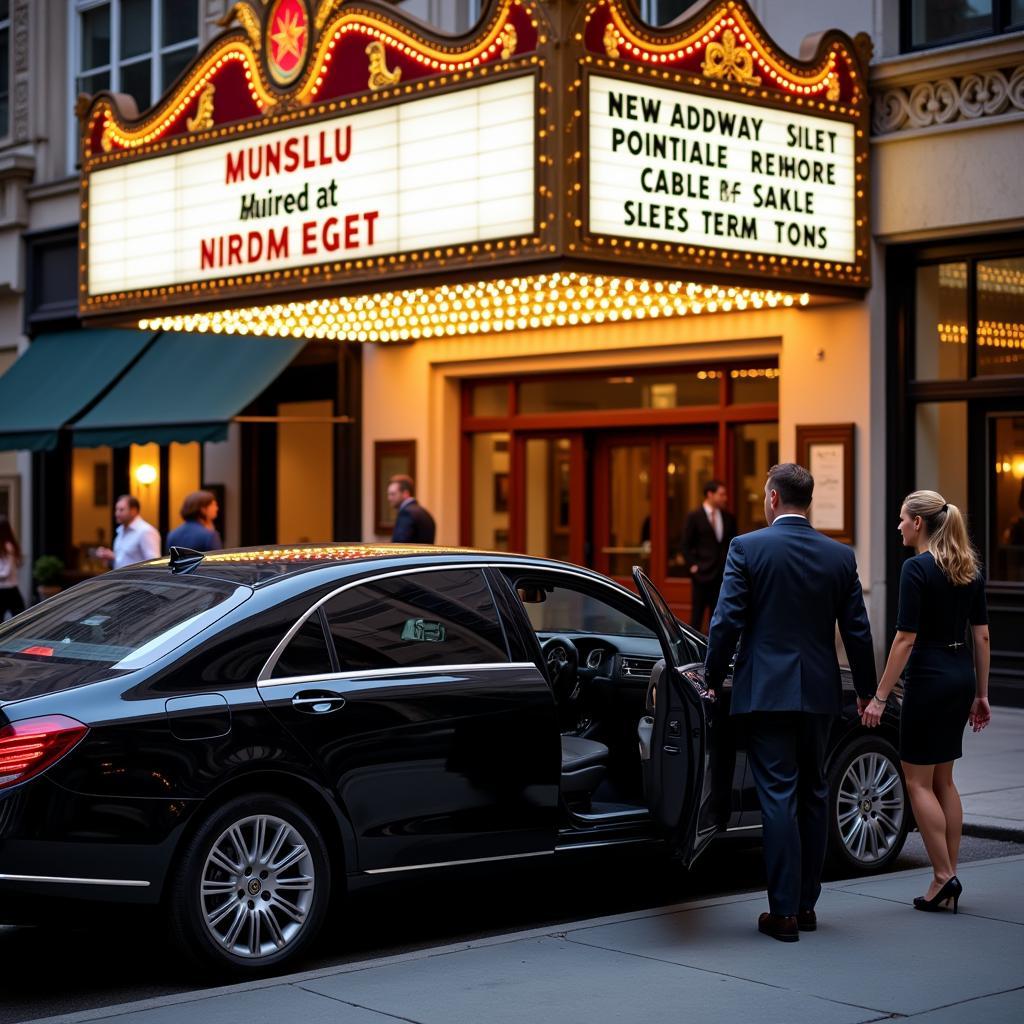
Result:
599,654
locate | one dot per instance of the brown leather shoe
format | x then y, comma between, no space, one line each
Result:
807,920
785,929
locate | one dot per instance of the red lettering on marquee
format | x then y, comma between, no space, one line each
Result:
266,159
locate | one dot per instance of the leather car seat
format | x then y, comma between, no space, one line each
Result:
584,767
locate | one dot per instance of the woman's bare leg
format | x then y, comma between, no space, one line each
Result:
931,821
952,809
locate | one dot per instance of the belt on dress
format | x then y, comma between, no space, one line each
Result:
939,644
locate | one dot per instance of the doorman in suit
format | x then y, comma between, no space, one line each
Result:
707,533
785,588
414,524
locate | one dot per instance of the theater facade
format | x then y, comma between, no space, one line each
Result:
578,267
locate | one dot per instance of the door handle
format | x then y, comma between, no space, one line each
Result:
317,702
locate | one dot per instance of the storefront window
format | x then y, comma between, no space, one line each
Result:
1006,558
750,386
941,457
755,451
1001,316
491,465
547,496
940,319
661,390
629,534
489,399
305,472
92,507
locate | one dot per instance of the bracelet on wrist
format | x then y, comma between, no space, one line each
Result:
878,700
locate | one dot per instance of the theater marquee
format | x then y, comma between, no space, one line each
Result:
352,151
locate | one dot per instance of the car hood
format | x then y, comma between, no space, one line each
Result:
21,678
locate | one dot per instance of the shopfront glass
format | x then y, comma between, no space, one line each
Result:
941,456
548,480
1006,483
940,322
688,467
755,451
1001,316
629,510
491,466
647,390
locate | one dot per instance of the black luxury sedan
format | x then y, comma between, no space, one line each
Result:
242,737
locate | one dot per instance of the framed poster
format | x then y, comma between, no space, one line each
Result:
827,451
390,458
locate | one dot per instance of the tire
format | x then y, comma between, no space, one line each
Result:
244,914
868,807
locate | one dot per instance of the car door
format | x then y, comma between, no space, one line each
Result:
425,729
682,783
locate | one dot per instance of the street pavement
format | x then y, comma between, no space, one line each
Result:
454,950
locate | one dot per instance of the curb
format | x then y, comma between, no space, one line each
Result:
1003,833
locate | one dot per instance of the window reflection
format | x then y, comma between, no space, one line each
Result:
1001,316
942,450
547,497
1006,559
688,468
941,322
491,464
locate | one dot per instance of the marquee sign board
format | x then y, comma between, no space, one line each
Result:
437,171
338,145
709,171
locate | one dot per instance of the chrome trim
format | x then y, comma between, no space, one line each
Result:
743,828
455,863
383,673
569,847
74,881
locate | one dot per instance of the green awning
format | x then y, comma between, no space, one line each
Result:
187,387
57,377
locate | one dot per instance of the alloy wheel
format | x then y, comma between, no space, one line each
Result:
870,807
257,887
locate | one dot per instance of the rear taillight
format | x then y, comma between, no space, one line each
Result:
30,747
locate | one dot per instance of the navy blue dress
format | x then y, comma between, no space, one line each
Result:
939,689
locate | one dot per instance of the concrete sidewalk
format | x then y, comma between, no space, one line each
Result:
872,957
990,777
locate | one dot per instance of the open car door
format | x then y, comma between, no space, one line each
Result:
680,787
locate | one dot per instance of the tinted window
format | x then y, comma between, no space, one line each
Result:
428,618
114,621
558,609
306,653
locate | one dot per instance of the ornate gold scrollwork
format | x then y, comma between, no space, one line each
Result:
248,19
380,76
203,118
509,41
323,12
611,41
833,89
727,60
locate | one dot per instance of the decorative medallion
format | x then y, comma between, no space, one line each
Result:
287,40
380,76
727,60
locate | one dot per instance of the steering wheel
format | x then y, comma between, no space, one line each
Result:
563,661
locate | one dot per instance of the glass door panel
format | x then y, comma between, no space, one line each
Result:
491,486
688,466
628,540
547,484
1006,533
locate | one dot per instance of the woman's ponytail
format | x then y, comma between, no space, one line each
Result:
947,535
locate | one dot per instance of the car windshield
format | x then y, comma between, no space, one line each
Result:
121,623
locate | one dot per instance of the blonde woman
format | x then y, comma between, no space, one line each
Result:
941,592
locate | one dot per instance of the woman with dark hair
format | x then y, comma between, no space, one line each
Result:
10,562
941,591
199,510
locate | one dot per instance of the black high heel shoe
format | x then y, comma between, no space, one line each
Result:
951,890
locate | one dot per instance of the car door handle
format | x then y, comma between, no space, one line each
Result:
317,702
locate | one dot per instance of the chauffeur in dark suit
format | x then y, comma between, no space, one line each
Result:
414,524
707,533
784,590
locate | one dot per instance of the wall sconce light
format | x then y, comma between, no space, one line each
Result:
145,474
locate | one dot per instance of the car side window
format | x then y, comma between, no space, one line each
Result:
442,617
554,608
307,653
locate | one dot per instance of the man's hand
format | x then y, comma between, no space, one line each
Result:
105,553
694,570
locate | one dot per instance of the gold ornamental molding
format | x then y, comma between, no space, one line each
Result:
726,60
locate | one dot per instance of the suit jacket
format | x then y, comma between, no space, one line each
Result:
702,548
785,588
414,525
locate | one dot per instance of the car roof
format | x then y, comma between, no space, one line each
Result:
260,566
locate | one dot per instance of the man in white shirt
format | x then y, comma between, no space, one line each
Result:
707,533
135,540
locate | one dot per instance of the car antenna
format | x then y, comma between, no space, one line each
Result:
184,559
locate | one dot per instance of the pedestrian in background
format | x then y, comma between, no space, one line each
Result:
199,510
11,601
942,590
414,524
135,540
707,533
785,588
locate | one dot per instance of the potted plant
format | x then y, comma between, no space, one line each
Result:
48,571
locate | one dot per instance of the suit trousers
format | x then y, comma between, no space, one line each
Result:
704,596
786,753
